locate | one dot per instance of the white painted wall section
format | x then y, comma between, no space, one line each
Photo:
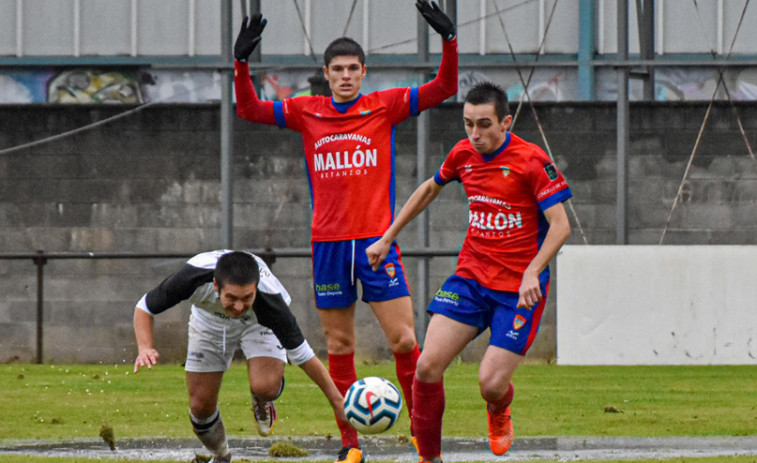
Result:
657,305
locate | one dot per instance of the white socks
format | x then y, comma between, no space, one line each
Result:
212,433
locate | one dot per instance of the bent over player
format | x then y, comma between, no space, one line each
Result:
349,151
236,302
516,225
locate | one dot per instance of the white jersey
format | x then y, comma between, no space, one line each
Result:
194,282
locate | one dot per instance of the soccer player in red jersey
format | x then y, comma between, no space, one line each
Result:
348,141
516,225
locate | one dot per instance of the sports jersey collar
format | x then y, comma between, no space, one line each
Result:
344,106
490,156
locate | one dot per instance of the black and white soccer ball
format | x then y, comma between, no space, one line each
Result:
372,405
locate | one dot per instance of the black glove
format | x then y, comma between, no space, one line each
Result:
249,36
436,18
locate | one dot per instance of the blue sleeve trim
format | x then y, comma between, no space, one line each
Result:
414,111
278,113
440,181
560,196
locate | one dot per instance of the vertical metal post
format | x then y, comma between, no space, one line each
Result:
40,260
19,29
256,55
450,8
622,121
645,14
227,126
423,125
586,39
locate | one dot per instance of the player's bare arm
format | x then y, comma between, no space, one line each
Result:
320,376
558,233
143,330
418,201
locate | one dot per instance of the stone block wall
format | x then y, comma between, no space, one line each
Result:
149,183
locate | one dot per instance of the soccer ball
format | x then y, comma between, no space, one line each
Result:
372,405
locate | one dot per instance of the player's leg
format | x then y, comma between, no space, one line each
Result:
459,316
339,330
396,319
387,292
335,296
207,359
266,376
495,373
265,370
338,326
445,339
513,330
207,423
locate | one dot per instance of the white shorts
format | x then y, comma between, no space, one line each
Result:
213,340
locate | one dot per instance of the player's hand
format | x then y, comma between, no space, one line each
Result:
146,358
436,18
249,36
529,293
377,252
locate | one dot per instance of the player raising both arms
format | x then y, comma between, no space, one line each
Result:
236,302
349,151
517,223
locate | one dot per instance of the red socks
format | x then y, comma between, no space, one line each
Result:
342,371
427,420
504,402
405,365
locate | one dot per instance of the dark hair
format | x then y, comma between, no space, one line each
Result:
343,46
237,268
489,93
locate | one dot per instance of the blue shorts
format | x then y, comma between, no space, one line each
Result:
338,265
468,302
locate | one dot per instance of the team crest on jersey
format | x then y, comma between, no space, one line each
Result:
505,170
390,270
518,322
551,171
365,112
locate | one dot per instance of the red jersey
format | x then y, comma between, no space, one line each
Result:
350,160
507,192
349,147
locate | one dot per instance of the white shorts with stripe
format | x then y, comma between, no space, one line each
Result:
213,339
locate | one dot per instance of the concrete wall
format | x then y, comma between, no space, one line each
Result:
695,308
149,183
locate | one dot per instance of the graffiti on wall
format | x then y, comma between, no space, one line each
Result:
24,86
680,84
92,86
80,85
137,86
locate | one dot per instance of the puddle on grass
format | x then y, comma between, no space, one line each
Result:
524,449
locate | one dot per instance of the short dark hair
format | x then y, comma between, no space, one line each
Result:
236,268
343,46
489,93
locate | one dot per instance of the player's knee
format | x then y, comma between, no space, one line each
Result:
492,390
339,342
267,388
427,372
202,408
403,343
